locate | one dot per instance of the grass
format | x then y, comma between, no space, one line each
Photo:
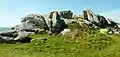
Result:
81,42
57,46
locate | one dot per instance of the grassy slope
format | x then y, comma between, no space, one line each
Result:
80,43
56,46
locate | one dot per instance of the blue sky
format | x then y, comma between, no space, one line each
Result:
11,11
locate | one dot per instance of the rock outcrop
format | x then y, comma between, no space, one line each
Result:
53,22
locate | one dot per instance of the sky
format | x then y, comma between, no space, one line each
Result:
11,11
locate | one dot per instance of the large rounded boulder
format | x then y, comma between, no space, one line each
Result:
36,19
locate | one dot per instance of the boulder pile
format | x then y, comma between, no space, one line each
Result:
97,20
53,22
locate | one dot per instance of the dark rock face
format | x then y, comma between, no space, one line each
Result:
58,24
66,14
112,23
103,21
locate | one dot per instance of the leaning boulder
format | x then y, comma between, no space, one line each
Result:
90,16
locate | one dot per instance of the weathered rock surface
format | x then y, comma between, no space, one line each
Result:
54,22
66,14
98,20
13,35
90,16
24,26
36,19
22,35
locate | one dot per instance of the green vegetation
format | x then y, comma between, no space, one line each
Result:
81,42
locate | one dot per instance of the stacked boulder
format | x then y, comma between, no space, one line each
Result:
53,22
32,23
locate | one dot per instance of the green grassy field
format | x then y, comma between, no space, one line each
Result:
82,42
97,45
